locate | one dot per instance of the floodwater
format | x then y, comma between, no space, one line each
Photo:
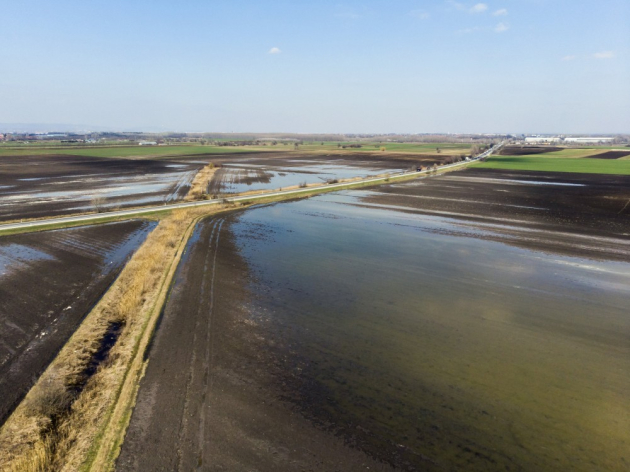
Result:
238,178
434,345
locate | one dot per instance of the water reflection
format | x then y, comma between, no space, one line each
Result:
439,346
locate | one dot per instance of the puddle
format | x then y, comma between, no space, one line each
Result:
15,256
238,178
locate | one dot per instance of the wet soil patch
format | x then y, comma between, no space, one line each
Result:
36,186
214,395
583,204
49,281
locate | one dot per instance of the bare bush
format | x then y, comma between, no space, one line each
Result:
52,399
98,203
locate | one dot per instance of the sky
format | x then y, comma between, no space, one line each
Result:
500,66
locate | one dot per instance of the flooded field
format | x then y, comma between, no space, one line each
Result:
34,186
239,178
48,283
478,330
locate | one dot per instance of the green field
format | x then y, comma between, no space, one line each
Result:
183,150
126,151
547,164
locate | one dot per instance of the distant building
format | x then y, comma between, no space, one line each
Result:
147,143
584,140
542,139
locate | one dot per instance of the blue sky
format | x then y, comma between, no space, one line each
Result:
318,66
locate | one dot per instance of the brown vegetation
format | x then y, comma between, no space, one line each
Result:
56,425
199,187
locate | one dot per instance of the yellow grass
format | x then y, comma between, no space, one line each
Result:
199,185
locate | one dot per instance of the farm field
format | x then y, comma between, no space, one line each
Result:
48,282
136,151
554,164
470,321
36,186
565,153
53,185
194,150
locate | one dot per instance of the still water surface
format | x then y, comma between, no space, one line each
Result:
441,349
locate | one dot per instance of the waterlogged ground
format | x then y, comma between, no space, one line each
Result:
239,178
48,282
36,186
478,330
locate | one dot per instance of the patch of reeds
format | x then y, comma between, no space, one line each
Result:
201,182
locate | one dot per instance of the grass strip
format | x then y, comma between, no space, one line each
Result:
548,164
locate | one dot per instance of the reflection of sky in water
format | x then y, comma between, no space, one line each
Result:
412,321
13,256
129,188
281,177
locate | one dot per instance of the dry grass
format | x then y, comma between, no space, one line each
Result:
199,186
55,426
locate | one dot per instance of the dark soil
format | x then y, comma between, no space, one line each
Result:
373,160
49,281
212,397
611,155
574,214
527,150
24,179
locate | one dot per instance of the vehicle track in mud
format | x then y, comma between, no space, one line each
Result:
210,398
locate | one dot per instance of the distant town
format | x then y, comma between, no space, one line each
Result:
227,139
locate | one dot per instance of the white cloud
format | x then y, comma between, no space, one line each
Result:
501,28
275,51
479,8
501,12
421,14
570,57
604,55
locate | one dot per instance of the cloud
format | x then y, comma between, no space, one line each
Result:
570,57
479,8
604,55
274,51
421,14
501,12
501,28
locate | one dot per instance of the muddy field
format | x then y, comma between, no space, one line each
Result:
527,150
471,321
48,282
45,186
560,211
611,155
268,171
54,185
